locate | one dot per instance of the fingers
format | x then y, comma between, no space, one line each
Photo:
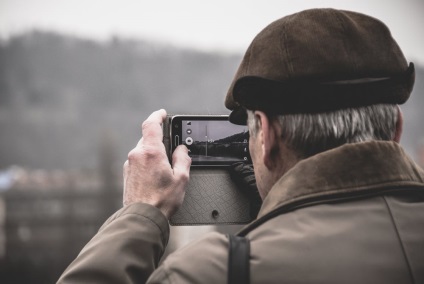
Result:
125,168
181,163
152,127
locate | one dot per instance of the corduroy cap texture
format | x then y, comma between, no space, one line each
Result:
320,60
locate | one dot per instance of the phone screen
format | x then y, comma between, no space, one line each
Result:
212,140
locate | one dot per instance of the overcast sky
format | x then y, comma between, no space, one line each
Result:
225,25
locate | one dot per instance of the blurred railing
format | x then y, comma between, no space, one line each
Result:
43,231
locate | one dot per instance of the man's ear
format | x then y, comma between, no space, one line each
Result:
268,139
399,126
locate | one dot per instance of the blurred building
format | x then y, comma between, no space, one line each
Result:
46,217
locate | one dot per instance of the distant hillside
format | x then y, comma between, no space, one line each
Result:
413,111
61,97
66,100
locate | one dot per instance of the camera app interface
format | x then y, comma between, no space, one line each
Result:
216,142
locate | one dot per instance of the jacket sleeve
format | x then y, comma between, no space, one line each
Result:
202,261
126,249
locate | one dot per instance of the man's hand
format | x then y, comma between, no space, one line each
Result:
244,176
148,176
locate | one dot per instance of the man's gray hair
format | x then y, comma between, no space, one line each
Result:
309,134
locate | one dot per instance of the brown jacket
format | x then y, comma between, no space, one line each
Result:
354,214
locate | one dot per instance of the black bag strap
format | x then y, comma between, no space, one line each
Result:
238,260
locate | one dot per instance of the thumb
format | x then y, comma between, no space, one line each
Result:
181,163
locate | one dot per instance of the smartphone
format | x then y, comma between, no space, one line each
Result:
211,139
212,197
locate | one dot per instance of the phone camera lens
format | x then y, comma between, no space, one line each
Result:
215,214
188,131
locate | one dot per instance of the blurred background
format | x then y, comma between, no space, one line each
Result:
77,78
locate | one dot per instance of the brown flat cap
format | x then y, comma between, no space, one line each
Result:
320,60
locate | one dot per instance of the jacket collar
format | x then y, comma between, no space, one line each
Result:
349,168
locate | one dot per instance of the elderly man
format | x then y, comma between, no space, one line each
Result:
342,202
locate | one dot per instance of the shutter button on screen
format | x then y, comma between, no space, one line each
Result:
189,141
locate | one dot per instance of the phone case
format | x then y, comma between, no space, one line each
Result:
212,198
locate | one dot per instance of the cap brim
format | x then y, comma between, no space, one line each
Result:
238,116
277,97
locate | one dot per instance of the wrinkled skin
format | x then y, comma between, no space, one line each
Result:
149,177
